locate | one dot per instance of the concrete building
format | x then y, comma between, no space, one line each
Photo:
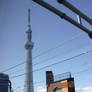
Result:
65,84
28,85
5,84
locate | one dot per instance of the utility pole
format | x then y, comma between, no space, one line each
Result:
66,17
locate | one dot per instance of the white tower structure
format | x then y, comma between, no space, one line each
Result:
28,84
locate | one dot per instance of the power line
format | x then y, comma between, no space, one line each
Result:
62,61
73,73
85,70
59,45
37,82
90,69
13,67
47,51
46,60
39,63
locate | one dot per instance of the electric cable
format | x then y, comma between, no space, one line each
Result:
90,69
62,61
47,51
85,70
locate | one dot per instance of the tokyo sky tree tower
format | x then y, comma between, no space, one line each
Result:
28,84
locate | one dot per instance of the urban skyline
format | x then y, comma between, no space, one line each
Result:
48,31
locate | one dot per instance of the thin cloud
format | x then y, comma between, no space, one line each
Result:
85,89
41,89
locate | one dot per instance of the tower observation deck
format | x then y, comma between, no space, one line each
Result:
28,84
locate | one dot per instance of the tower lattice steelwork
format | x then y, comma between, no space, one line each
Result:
28,85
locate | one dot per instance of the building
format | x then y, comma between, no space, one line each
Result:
59,83
5,84
28,84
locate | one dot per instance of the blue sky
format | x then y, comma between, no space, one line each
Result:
48,30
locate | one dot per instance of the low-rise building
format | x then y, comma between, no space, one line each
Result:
5,84
59,83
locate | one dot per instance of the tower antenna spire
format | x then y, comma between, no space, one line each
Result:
28,16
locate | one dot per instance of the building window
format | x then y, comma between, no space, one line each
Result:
57,90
